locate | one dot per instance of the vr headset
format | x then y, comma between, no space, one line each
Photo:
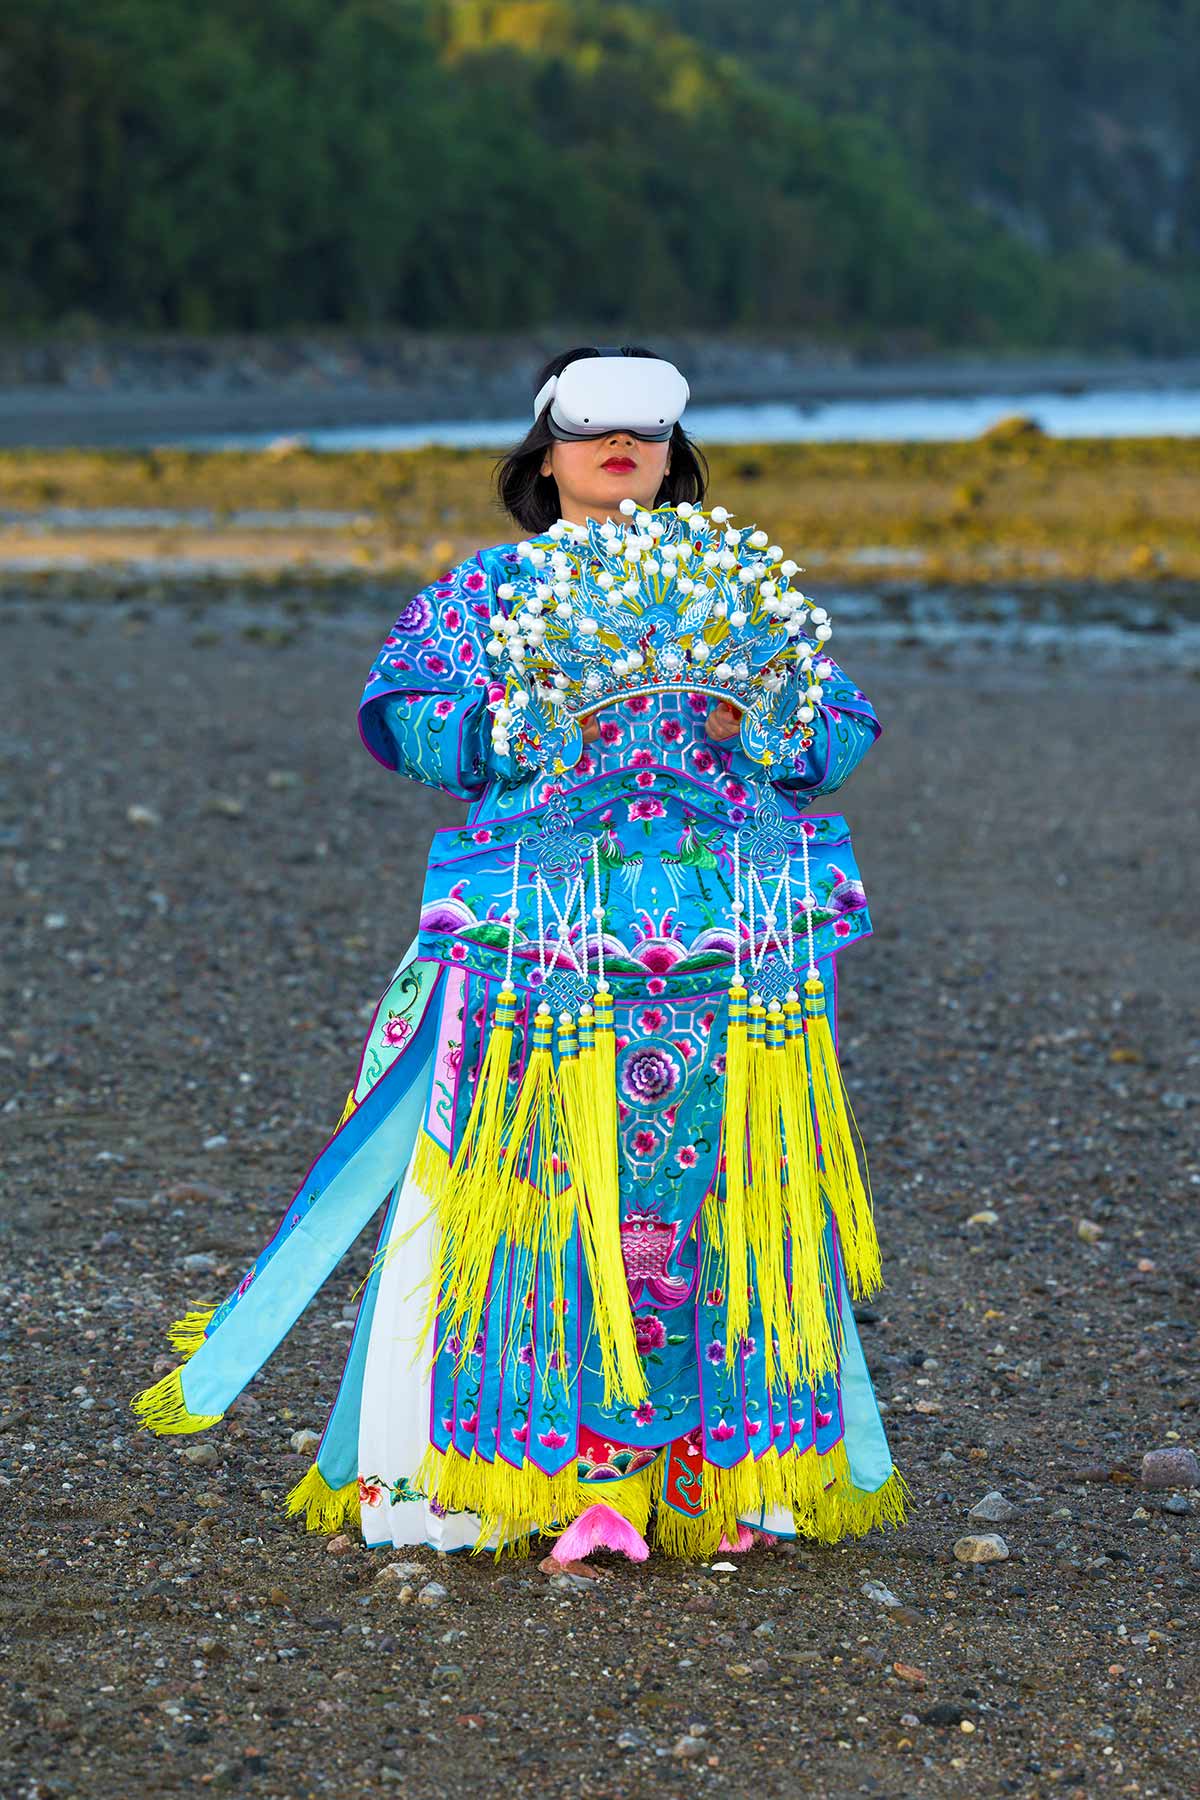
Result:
613,392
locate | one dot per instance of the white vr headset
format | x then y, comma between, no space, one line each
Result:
613,392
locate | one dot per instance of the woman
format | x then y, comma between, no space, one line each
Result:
588,1311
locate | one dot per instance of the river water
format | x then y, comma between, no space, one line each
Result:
1129,412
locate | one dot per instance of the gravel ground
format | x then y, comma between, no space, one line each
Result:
186,990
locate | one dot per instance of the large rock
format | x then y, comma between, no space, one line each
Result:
990,1547
993,1509
1171,1468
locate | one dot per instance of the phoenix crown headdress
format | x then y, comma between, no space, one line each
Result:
675,598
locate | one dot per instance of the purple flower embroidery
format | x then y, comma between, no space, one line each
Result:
416,617
648,1077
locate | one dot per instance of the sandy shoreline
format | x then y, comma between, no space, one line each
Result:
183,1006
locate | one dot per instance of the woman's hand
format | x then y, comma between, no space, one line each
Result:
589,726
723,722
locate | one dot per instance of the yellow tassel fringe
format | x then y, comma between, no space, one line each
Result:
161,1408
350,1106
187,1334
325,1509
514,1504
850,1201
818,1491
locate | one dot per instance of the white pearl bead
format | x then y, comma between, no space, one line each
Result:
719,513
757,539
685,509
788,567
628,507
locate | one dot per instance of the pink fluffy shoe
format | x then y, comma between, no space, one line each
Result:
746,1539
601,1527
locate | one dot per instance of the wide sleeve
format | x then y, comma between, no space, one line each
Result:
844,726
424,709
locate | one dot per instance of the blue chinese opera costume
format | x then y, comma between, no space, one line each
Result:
598,1108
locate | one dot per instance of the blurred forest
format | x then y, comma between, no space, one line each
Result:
939,171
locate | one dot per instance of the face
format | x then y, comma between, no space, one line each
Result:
595,475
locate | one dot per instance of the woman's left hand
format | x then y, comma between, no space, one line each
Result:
723,722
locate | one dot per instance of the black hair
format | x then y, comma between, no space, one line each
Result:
532,498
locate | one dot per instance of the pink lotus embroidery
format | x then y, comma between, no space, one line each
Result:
721,1432
647,1245
553,1440
395,1031
824,1418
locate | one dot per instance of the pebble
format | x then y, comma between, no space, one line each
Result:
137,1204
986,1217
946,1458
566,1583
989,1547
432,1594
630,1740
993,1509
724,1568
143,815
202,1456
390,1574
688,1746
194,1190
340,1545
1089,1231
1176,1504
875,1590
304,1440
1173,1468
199,1263
946,1712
